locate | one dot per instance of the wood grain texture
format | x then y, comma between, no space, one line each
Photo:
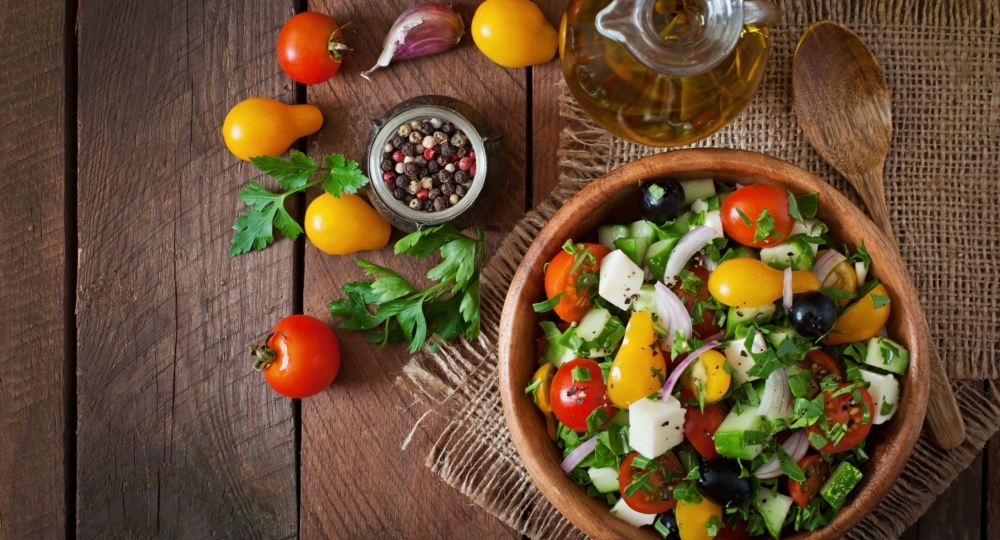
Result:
32,269
356,481
957,514
545,121
177,436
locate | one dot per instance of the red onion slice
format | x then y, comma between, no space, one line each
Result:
796,446
672,313
688,245
776,398
668,387
786,289
825,263
579,454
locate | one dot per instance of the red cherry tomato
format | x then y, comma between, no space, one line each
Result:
843,409
820,364
816,470
700,427
739,533
707,326
751,201
562,278
301,357
573,401
660,499
309,47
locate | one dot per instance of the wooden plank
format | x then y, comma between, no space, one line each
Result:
356,482
32,270
178,437
991,519
957,514
545,120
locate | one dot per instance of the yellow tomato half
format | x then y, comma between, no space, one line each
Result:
861,320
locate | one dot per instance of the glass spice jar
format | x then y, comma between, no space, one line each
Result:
482,148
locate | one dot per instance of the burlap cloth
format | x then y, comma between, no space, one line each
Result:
942,62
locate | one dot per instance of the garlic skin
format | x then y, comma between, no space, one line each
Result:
422,30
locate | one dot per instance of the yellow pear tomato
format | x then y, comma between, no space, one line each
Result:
747,282
514,33
709,372
265,127
345,225
692,519
639,364
542,397
861,320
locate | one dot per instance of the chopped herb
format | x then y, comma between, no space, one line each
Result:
879,300
746,220
800,384
598,417
817,440
886,408
713,525
804,207
656,191
687,492
867,287
837,294
661,528
533,386
640,483
642,462
580,374
690,282
765,227
548,305
789,467
658,373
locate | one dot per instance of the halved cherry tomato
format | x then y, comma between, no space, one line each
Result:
693,519
562,278
707,326
861,320
820,364
843,409
747,204
842,276
739,533
660,495
816,470
700,427
573,401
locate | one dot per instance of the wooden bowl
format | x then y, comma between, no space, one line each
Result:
614,199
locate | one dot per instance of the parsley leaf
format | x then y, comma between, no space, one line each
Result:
581,374
404,312
789,467
804,207
879,301
765,227
533,386
255,228
713,525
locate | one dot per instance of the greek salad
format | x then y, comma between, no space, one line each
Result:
714,369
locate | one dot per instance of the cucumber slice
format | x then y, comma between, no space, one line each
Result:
795,253
774,507
698,189
592,324
646,300
555,352
605,479
607,234
778,334
683,222
886,354
740,435
634,248
642,229
842,480
658,254
740,315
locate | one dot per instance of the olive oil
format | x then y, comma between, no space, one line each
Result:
646,106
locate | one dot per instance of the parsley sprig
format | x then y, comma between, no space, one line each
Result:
405,312
255,228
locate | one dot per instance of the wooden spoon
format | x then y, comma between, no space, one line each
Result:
844,109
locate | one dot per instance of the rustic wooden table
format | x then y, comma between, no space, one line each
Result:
128,408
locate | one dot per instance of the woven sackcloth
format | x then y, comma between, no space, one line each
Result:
942,62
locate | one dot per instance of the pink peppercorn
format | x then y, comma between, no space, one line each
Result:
422,194
454,158
388,177
398,156
472,171
472,154
430,153
465,163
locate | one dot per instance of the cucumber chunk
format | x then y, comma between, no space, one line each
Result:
739,315
634,248
592,324
698,189
740,435
642,229
605,479
842,480
607,234
646,300
795,253
778,334
774,507
886,354
658,254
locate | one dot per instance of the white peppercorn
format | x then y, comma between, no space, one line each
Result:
408,159
400,168
429,142
458,139
415,204
450,167
419,148
388,147
435,123
415,125
453,199
413,188
404,131
416,137
427,182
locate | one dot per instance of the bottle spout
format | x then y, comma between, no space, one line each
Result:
760,12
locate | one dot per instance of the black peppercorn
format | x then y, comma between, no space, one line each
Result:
440,204
426,128
444,176
447,189
409,199
441,160
410,169
461,176
435,181
428,205
460,190
446,149
462,152
408,149
387,165
433,167
397,141
423,172
421,161
433,193
399,194
402,182
447,128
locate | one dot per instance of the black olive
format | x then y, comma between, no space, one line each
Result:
719,481
669,521
812,314
661,202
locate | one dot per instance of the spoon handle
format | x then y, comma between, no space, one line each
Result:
944,419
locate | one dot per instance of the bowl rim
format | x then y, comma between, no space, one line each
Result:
733,164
